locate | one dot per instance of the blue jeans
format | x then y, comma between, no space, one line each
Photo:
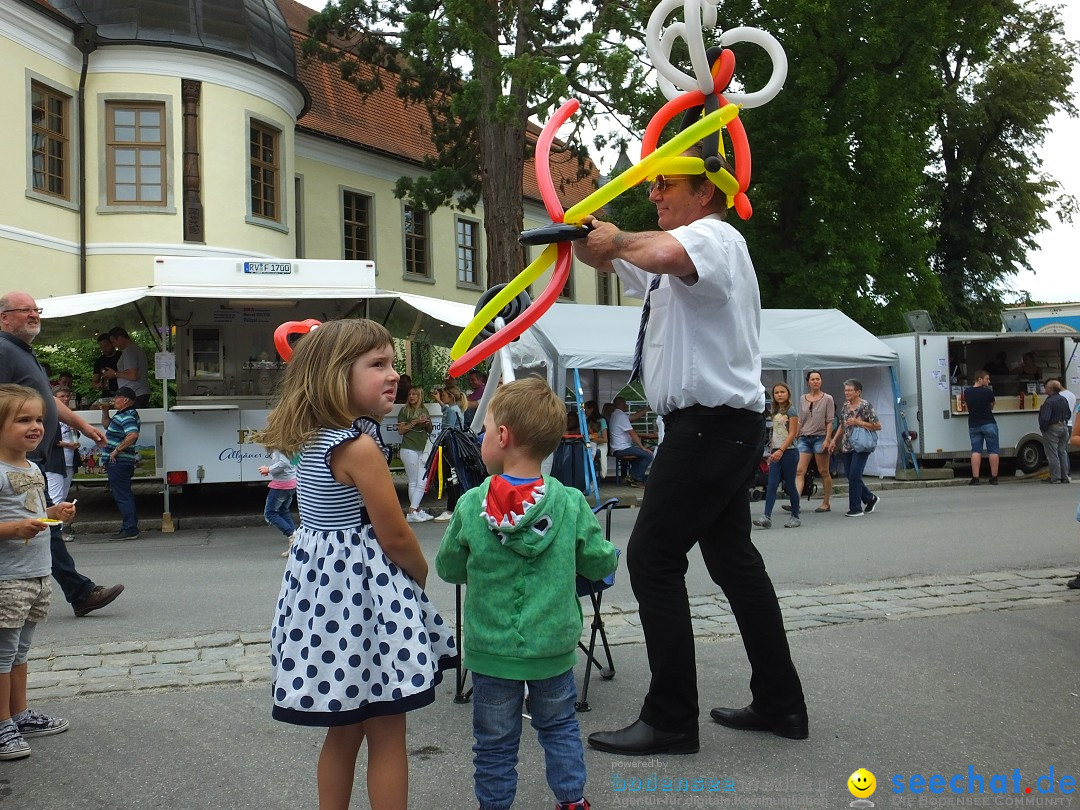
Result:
988,434
785,468
120,473
497,705
858,494
276,511
641,459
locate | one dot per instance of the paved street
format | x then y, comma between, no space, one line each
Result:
934,634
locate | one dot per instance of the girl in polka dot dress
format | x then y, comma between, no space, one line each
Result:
355,643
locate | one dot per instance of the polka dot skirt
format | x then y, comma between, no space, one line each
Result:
354,636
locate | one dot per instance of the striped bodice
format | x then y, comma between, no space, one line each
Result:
325,504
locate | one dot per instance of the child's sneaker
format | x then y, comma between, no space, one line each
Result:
12,744
580,804
36,724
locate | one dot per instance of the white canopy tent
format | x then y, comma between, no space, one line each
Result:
599,342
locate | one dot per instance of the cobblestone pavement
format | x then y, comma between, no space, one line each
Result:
242,657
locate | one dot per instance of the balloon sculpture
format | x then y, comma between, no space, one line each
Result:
281,335
702,92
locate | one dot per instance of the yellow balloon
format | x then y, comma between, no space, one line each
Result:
505,296
712,122
680,164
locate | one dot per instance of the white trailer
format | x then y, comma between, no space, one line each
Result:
216,321
935,367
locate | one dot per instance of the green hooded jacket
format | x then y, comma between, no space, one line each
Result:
522,614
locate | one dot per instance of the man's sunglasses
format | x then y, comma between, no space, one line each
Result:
663,182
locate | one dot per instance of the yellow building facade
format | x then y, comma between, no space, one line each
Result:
125,144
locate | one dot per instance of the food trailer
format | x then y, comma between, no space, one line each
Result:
935,367
215,319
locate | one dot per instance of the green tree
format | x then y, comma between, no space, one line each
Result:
839,156
1005,68
482,69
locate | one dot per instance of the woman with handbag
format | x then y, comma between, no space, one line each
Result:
857,437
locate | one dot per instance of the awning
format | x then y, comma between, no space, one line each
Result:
62,306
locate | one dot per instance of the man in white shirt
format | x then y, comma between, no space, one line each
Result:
626,444
701,368
1070,397
131,369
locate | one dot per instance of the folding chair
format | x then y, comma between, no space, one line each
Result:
594,589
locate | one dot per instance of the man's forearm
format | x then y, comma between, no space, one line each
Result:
126,442
72,419
655,251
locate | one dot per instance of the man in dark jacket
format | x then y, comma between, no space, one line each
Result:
20,323
1053,421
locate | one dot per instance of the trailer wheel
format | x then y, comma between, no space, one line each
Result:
1030,457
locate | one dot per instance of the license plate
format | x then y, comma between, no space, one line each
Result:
269,268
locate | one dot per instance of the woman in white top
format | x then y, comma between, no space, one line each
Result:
67,442
817,410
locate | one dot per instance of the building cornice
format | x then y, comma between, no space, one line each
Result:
185,63
37,32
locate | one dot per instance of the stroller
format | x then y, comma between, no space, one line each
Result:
759,482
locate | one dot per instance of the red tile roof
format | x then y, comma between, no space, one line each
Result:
382,122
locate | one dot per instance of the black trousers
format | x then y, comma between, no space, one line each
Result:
698,493
75,586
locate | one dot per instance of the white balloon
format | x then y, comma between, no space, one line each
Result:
659,46
700,15
776,53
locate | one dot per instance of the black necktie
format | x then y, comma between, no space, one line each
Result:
635,371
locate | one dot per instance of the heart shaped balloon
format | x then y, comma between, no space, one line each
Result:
281,335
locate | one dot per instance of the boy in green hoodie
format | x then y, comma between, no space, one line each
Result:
519,540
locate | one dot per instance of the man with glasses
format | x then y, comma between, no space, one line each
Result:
20,324
701,367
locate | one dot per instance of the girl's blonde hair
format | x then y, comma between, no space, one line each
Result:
315,386
457,397
775,407
12,397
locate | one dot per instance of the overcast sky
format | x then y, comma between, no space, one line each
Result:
1056,276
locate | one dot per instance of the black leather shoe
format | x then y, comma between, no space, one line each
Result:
639,739
793,726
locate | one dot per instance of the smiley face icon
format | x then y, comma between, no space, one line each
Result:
862,784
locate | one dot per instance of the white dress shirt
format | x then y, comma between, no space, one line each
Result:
701,345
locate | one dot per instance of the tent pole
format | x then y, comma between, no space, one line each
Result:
166,511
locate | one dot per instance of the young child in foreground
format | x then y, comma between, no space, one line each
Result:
519,541
25,564
355,643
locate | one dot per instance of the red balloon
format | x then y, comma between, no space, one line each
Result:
723,70
563,261
543,154
281,335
